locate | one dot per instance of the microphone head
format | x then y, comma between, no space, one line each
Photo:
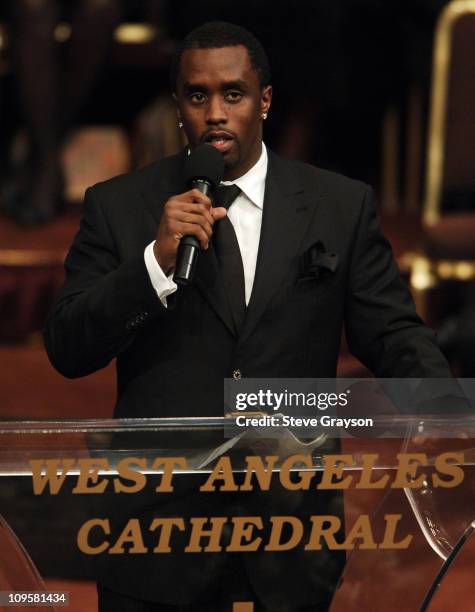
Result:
204,163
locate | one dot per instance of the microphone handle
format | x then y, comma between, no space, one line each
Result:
189,247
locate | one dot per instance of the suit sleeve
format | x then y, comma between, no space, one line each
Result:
103,302
382,327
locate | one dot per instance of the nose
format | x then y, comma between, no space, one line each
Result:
216,111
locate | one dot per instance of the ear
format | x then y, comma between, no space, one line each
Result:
177,108
266,98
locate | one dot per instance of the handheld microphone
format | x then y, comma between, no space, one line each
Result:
204,170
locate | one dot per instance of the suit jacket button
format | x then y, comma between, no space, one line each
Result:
237,375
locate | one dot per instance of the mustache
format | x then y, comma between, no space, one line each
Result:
205,135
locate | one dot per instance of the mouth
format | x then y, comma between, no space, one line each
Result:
222,141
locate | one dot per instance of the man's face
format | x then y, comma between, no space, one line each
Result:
220,101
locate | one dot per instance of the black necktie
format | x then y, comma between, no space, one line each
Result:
229,255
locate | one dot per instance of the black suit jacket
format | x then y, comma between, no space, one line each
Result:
172,361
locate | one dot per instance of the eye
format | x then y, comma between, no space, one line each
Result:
233,96
196,97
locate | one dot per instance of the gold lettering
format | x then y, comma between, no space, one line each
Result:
361,530
335,466
222,471
169,463
304,477
365,482
198,532
89,471
278,523
130,534
319,531
127,473
243,528
166,525
83,536
408,464
389,541
56,472
255,465
443,465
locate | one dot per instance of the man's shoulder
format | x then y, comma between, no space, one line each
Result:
328,181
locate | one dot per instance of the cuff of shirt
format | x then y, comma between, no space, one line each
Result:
162,284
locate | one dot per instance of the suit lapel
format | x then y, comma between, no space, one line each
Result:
288,210
168,181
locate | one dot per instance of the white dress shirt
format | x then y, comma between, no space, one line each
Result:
245,213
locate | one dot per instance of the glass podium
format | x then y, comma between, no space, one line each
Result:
165,509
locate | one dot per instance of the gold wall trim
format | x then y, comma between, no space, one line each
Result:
26,257
243,606
125,33
135,33
426,273
437,121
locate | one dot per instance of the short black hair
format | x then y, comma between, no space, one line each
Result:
218,34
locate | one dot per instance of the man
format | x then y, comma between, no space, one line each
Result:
313,259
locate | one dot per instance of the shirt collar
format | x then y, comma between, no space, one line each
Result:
252,184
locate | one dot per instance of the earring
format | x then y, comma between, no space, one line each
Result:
180,124
264,116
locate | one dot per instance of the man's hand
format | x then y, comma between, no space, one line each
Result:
187,214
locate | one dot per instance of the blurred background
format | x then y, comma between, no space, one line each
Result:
380,90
